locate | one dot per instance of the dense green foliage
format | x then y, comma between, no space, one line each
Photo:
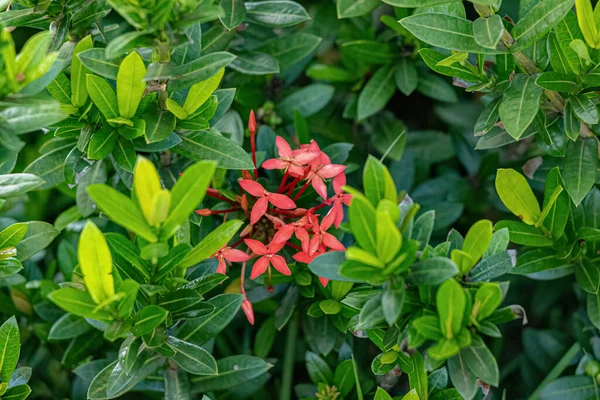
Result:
277,199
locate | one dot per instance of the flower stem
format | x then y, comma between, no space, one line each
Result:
288,360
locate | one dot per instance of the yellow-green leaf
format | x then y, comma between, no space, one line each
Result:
477,240
585,17
176,109
130,87
160,207
201,91
517,196
95,262
79,92
146,184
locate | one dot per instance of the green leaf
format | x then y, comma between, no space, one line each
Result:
480,360
130,87
121,209
317,368
417,376
520,104
392,303
327,266
95,262
202,146
307,101
79,92
199,69
537,260
406,75
488,31
127,42
487,298
557,81
290,49
17,184
377,92
67,327
265,338
433,271
378,182
523,234
192,358
200,92
565,32
517,196
477,240
233,371
201,329
462,378
234,13
579,169
343,377
585,109
103,96
8,266
381,394
276,13
587,275
569,388
187,194
212,243
540,19
102,143
10,343
558,215
22,119
39,235
79,303
12,235
370,51
451,301
147,319
445,31
355,8
256,63
124,154
433,58
96,61
389,239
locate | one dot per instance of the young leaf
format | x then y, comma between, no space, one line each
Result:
103,96
451,302
79,92
517,196
488,31
95,262
201,91
587,23
146,184
10,344
212,243
130,87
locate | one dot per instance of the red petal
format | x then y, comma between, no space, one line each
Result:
296,170
338,182
259,209
221,267
339,215
330,218
319,186
347,199
331,241
280,265
252,187
302,236
315,241
275,247
259,268
323,281
284,234
331,170
248,310
235,255
283,148
306,157
281,201
275,163
252,122
256,246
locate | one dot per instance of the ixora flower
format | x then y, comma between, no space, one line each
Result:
268,257
227,254
275,221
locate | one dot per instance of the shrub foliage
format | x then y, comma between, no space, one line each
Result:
299,199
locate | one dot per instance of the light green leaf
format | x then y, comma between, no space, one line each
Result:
517,196
95,262
130,87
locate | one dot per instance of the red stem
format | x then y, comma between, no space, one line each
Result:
215,193
301,191
283,180
292,185
294,246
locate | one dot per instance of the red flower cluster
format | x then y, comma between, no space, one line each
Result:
272,228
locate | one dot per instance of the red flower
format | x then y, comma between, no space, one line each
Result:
285,232
264,198
321,169
269,257
321,239
227,254
248,310
287,160
335,216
